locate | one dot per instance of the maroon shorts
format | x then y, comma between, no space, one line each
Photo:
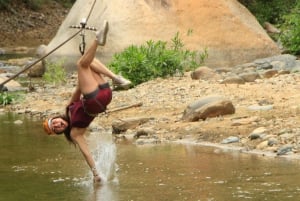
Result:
84,111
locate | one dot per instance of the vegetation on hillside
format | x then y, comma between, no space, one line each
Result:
290,36
284,14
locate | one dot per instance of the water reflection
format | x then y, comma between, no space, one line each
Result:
106,191
38,167
173,172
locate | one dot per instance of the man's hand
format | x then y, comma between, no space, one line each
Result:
97,179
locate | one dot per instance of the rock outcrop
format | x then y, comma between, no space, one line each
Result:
228,31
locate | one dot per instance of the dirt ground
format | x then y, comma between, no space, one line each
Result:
24,27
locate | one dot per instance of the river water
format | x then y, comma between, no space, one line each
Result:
34,166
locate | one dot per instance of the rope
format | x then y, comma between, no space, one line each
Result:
92,8
46,55
83,27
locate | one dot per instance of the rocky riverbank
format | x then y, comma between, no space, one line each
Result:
265,94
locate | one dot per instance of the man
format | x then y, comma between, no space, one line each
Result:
91,97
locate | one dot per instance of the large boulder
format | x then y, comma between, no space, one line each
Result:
11,85
226,28
208,107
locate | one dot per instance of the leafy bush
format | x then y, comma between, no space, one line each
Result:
3,4
290,36
155,59
34,4
5,98
66,3
282,13
55,73
269,11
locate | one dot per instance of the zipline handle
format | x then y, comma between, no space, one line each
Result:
79,27
83,27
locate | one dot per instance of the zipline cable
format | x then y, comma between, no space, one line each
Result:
91,10
82,27
35,62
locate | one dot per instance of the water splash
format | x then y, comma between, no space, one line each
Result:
104,154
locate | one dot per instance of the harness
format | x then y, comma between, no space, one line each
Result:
93,95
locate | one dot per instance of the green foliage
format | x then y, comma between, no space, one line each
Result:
269,11
5,98
55,73
3,4
290,36
34,4
66,3
155,59
282,13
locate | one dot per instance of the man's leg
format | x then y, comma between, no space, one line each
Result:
88,57
100,68
86,81
118,80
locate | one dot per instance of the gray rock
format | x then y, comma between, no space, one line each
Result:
260,107
122,125
11,85
210,106
284,149
254,136
18,122
269,73
264,66
37,70
284,61
233,80
250,76
231,139
204,73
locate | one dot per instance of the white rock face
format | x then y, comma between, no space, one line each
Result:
226,28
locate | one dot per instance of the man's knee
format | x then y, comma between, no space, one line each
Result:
82,64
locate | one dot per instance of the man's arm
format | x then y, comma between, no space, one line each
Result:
77,135
75,96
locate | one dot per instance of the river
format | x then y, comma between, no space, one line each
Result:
35,166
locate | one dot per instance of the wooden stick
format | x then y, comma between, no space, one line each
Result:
124,107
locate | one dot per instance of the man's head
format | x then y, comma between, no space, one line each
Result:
56,125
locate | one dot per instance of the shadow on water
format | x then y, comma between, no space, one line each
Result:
39,167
